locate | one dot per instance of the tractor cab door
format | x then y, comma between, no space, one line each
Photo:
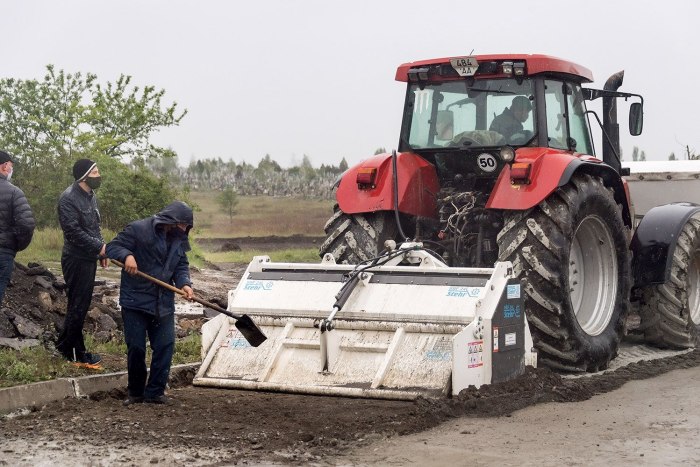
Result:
567,121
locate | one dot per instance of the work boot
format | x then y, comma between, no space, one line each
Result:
89,360
162,399
130,400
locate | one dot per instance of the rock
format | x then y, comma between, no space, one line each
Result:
26,327
7,329
40,271
18,344
44,299
106,323
59,284
94,313
102,336
44,282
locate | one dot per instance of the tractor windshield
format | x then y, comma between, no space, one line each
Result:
460,114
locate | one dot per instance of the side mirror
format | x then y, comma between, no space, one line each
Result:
636,119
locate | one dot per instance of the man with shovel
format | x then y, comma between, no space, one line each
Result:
156,246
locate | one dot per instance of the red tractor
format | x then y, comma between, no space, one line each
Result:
496,162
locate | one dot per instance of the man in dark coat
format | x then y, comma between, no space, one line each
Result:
510,122
79,216
16,222
156,246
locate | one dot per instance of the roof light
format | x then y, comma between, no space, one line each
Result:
418,74
366,176
519,68
520,173
507,68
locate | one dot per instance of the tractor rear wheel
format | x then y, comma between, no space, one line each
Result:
670,312
572,255
353,238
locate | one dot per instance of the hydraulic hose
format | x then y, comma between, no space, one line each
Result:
396,194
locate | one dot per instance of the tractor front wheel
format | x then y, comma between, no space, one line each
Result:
353,238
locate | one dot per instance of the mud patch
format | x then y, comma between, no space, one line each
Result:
230,426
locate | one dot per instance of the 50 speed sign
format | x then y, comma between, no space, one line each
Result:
487,162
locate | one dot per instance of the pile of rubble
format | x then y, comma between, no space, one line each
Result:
35,303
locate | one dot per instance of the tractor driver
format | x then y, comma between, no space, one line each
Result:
510,122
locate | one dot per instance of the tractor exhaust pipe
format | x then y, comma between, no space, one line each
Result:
611,146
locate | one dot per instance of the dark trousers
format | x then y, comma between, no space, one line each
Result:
7,264
161,335
79,275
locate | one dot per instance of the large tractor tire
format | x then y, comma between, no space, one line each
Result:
670,312
353,238
571,252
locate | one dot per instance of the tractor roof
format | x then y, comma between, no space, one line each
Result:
534,64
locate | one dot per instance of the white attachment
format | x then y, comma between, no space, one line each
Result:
404,331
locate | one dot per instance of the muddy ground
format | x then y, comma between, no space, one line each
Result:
207,426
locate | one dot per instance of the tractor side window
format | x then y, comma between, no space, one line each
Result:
578,122
556,114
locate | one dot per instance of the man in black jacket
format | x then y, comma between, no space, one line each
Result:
157,246
79,216
510,122
16,222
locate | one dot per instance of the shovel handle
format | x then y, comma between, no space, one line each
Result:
172,288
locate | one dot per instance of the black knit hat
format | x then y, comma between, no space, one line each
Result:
82,168
5,157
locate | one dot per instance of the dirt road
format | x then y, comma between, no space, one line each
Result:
656,417
650,422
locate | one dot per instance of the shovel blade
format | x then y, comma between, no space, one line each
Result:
250,331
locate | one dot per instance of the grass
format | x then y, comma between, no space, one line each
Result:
257,216
291,255
35,364
260,216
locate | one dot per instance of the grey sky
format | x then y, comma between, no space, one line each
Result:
290,78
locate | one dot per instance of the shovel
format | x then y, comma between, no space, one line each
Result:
244,324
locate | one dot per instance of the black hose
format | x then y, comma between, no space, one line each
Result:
396,194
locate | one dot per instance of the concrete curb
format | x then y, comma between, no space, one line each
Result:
38,394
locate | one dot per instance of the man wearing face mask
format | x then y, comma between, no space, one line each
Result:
16,222
157,246
83,246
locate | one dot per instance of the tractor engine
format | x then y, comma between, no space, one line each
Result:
466,231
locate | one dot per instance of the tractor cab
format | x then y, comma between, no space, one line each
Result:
459,106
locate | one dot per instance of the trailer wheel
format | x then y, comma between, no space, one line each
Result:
353,238
571,252
670,312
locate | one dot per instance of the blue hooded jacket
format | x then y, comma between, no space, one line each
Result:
158,256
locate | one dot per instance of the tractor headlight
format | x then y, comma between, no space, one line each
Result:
507,154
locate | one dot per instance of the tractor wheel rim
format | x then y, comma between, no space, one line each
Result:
694,287
593,272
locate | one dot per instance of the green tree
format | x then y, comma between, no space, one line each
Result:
672,157
48,124
380,151
228,200
343,166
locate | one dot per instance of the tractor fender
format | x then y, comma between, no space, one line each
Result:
417,186
655,240
551,169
